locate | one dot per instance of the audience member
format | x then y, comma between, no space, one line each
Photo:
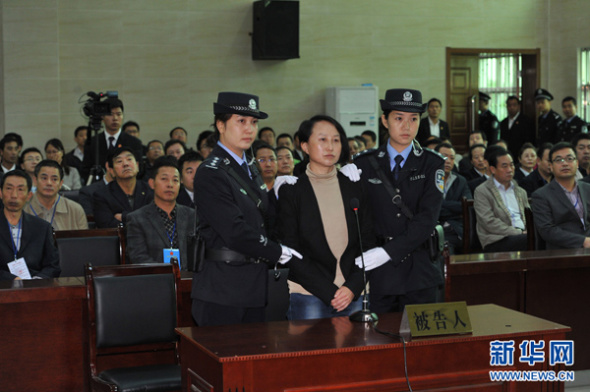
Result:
111,138
285,161
27,250
86,194
517,128
179,133
132,128
113,202
476,137
370,139
361,143
158,231
29,159
203,146
479,166
75,157
266,158
527,159
155,149
10,147
560,209
188,165
548,118
299,154
47,204
499,205
54,150
432,142
432,125
488,122
455,189
542,174
571,125
353,146
175,148
581,143
267,135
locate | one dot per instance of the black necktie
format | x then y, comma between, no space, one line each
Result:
245,167
111,142
398,161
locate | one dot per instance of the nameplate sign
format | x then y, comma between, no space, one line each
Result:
446,318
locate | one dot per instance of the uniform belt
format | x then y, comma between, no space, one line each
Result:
228,255
425,245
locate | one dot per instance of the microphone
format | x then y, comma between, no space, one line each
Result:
364,315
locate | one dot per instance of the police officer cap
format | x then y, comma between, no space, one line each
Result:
484,97
541,93
404,100
238,103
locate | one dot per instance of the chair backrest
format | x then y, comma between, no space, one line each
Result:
534,240
72,195
132,311
95,246
471,242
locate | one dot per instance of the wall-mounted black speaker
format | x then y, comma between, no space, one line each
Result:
275,33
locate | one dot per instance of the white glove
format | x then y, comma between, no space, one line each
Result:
374,258
288,254
352,172
280,180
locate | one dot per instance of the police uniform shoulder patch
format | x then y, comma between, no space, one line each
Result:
362,154
439,180
212,163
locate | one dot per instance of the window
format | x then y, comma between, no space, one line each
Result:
584,83
499,77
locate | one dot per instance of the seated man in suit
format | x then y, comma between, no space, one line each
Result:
475,137
188,165
560,209
113,202
455,189
161,227
499,205
432,125
111,138
27,249
61,212
86,194
542,174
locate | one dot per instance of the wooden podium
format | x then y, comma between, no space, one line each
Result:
337,355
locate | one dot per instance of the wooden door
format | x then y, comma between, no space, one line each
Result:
462,98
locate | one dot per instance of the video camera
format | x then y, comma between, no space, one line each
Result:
93,107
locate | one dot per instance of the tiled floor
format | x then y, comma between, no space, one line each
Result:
581,384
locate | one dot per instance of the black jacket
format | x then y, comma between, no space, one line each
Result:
424,130
451,210
111,200
124,140
522,131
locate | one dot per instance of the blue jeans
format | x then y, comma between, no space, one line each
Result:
306,307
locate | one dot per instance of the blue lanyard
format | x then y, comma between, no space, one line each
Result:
15,245
168,235
54,208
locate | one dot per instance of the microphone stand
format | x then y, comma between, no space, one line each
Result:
364,315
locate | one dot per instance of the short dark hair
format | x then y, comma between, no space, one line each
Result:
493,153
130,123
79,129
115,152
266,129
114,103
203,136
370,134
190,156
443,145
21,158
163,162
284,148
484,137
474,147
542,148
172,142
561,146
434,100
524,147
569,98
360,139
17,173
306,128
512,97
434,139
154,141
11,137
282,135
49,163
262,145
579,136
175,128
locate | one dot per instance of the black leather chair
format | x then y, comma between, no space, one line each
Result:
96,246
72,195
132,312
471,242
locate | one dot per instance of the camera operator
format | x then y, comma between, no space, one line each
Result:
111,138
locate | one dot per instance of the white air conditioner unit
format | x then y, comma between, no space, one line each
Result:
356,108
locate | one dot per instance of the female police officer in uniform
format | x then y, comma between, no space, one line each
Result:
230,197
